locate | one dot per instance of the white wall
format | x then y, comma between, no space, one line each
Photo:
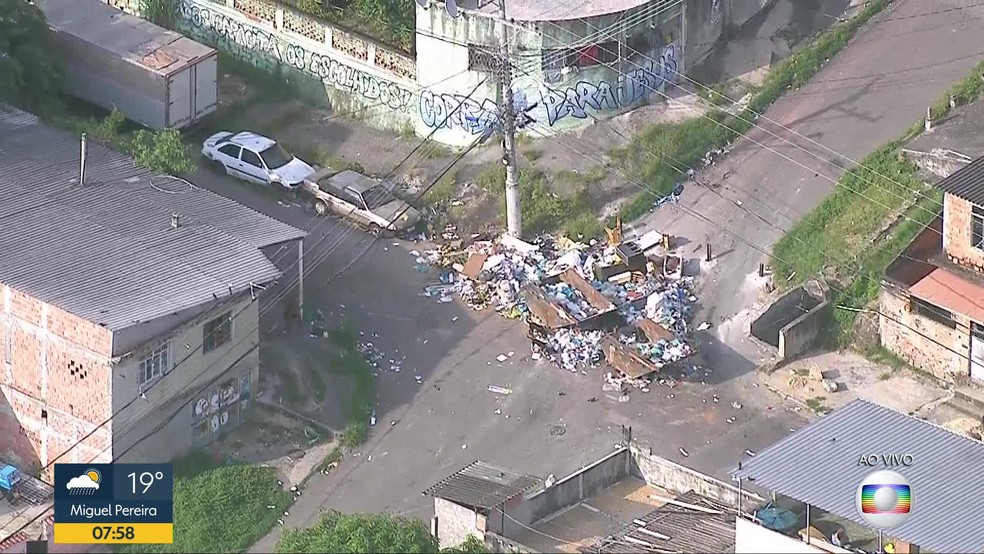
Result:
455,523
751,538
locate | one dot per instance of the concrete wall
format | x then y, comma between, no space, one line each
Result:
708,22
922,342
55,383
565,493
552,98
798,336
347,71
785,310
455,523
957,234
678,479
752,538
230,372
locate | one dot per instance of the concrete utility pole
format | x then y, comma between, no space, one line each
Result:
507,110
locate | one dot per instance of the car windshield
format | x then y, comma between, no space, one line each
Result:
378,196
276,157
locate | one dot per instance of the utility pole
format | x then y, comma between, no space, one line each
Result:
507,111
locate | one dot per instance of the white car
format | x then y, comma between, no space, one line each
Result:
255,158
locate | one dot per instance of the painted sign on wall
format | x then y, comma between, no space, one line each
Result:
581,98
238,35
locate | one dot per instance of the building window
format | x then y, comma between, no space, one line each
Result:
155,364
556,59
922,308
977,226
482,58
217,332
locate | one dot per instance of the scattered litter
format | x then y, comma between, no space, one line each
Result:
501,358
704,326
736,405
369,459
497,411
750,453
536,356
464,446
684,452
499,390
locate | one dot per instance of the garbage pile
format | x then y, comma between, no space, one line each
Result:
574,349
672,305
570,299
660,353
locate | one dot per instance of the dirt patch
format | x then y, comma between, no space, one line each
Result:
292,447
856,377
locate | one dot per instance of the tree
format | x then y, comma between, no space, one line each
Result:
29,67
365,533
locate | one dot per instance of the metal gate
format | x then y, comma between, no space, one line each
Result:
977,351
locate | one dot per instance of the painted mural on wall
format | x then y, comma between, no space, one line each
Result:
583,97
220,409
438,110
264,48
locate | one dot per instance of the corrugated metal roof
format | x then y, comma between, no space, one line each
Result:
686,529
125,35
106,251
967,182
819,465
482,485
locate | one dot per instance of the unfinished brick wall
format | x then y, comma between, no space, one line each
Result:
957,234
55,382
455,523
912,337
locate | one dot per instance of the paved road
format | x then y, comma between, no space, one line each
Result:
451,419
868,95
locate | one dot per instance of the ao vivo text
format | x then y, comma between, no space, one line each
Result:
887,460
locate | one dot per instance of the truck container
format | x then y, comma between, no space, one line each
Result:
155,77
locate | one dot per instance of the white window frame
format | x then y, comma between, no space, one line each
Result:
975,219
160,368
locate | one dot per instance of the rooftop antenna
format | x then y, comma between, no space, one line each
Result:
82,163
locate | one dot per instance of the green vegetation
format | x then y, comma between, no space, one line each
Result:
367,533
362,390
163,13
391,21
543,209
335,455
877,209
658,156
220,509
30,69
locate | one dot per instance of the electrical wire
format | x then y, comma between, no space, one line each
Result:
273,303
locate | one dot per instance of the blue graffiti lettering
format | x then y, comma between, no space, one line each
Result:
580,99
475,117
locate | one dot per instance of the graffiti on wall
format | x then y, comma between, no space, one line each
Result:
250,42
584,97
477,118
715,11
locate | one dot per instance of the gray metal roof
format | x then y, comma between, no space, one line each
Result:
967,182
484,486
127,36
106,251
819,465
687,529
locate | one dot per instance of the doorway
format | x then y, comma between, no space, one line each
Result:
977,352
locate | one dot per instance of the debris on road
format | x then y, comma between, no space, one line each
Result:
499,390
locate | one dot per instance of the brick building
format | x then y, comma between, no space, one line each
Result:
122,294
933,293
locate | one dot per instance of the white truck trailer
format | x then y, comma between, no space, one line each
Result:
155,77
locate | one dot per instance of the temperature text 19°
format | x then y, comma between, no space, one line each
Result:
145,480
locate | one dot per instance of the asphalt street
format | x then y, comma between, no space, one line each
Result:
554,421
868,95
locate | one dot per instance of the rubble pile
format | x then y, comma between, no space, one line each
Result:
615,382
574,349
659,353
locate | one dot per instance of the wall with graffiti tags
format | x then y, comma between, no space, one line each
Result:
351,73
555,87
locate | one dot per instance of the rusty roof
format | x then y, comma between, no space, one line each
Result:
952,292
675,528
484,486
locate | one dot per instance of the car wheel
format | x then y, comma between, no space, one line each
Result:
219,167
321,207
375,230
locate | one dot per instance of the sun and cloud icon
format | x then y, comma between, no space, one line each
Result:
85,484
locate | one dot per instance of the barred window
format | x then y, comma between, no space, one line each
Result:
482,58
925,309
217,332
155,364
977,226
